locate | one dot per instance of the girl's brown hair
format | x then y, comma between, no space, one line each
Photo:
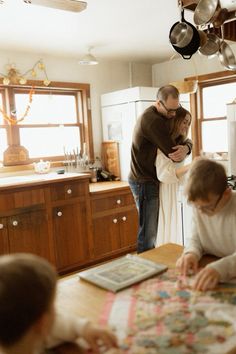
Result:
175,122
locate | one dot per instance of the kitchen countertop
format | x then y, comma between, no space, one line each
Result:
25,180
38,179
107,186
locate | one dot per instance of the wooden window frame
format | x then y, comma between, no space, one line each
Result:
196,103
82,107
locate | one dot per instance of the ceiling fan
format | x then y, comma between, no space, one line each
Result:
67,5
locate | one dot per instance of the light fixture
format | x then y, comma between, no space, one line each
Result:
88,59
14,77
67,5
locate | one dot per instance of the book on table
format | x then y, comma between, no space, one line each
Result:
122,272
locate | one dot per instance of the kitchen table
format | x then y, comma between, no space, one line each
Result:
84,299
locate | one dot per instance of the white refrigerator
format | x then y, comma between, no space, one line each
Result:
120,110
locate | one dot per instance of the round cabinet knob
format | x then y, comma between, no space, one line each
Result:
118,201
1,226
59,213
124,218
15,223
115,221
69,191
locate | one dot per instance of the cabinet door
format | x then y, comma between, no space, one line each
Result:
4,244
70,235
28,232
106,235
128,222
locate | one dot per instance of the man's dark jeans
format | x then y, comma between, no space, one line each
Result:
146,197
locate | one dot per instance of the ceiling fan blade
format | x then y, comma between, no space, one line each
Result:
67,5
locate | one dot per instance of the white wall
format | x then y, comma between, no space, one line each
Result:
104,77
179,68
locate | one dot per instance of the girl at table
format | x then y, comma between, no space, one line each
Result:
170,174
28,320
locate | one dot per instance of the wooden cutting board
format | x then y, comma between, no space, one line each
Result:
110,157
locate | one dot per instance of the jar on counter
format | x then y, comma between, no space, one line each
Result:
93,171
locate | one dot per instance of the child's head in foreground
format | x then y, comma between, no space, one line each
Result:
27,291
207,187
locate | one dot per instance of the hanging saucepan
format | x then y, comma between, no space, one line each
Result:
212,45
191,47
181,33
204,11
226,55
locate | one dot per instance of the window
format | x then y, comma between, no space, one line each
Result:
211,123
58,121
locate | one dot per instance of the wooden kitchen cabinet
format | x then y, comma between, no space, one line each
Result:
106,235
24,222
67,221
50,218
70,235
4,241
128,222
27,232
71,224
115,222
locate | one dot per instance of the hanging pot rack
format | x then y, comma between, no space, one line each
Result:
229,23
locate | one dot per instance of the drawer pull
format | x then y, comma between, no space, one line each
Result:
1,226
15,223
59,213
124,218
118,201
69,191
115,221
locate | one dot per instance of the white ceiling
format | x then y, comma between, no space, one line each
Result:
127,30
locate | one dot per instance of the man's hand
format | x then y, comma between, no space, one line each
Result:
96,336
186,263
206,279
180,153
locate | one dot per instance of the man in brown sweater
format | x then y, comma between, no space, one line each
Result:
151,133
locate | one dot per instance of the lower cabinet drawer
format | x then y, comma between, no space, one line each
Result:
65,191
21,199
111,202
